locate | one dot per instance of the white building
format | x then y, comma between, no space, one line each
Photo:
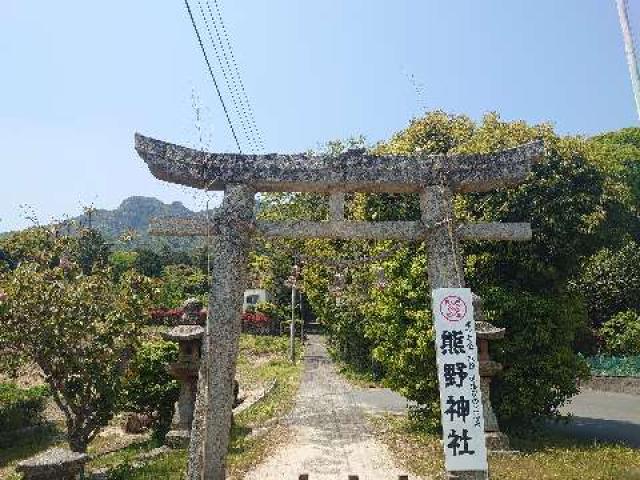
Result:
254,296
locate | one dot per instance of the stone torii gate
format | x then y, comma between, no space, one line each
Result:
435,177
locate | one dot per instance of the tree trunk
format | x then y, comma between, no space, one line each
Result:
77,442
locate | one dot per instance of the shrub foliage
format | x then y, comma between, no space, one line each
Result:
148,387
77,324
621,334
578,199
21,407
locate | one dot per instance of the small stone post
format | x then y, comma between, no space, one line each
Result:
189,337
292,282
301,320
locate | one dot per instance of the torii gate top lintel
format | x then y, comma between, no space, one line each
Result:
353,171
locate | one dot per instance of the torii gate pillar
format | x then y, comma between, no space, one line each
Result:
212,418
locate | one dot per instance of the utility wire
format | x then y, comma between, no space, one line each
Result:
213,77
230,85
236,78
237,74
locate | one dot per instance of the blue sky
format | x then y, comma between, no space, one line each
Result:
78,78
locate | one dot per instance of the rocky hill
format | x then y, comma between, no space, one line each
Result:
131,220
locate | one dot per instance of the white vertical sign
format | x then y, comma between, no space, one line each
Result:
459,378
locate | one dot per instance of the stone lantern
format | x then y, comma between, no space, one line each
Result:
188,335
495,439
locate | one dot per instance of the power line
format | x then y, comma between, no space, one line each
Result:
237,73
234,78
230,85
213,77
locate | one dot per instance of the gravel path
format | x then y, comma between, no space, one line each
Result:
329,435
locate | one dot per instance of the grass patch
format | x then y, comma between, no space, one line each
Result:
544,456
358,377
169,466
26,446
261,360
126,454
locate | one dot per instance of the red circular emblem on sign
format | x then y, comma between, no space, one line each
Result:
453,308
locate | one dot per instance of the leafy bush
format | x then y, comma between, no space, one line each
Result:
179,282
610,282
147,262
571,200
148,387
256,322
21,407
541,370
122,261
271,310
122,471
621,333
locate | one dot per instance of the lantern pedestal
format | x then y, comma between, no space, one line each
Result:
495,439
185,370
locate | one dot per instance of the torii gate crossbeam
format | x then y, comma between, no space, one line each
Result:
353,171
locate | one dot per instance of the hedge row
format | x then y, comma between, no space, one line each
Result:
606,366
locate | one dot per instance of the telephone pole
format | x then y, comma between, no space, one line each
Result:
629,50
293,283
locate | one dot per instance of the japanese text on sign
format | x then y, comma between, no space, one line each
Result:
459,378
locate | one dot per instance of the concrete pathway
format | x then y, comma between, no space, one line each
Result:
379,400
604,416
329,434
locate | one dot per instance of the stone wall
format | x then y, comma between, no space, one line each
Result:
630,385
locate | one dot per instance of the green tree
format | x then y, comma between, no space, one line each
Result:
617,155
610,282
122,261
148,262
180,282
563,199
621,333
92,250
80,329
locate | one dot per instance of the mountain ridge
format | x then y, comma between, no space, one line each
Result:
127,226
